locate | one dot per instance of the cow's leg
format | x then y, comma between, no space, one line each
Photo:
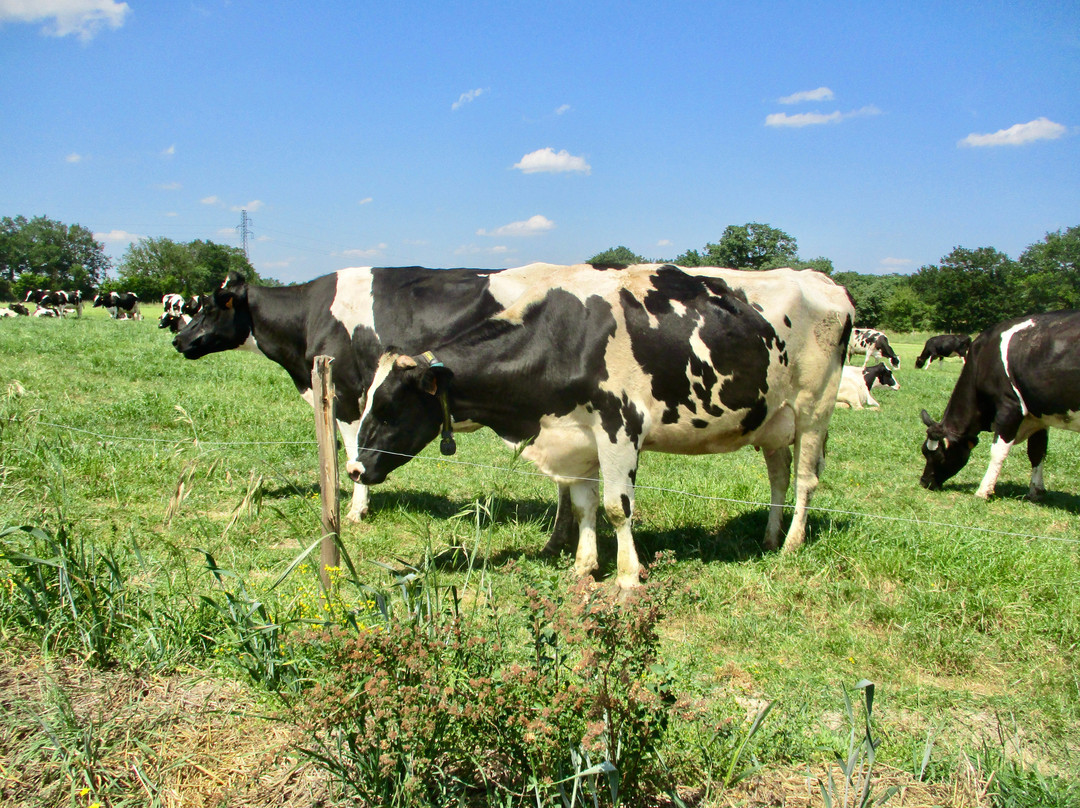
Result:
584,499
808,454
999,450
564,535
1036,449
778,462
358,508
618,467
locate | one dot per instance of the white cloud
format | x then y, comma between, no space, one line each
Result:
117,236
369,253
817,118
251,206
664,242
896,263
365,201
820,94
169,152
547,160
464,98
563,109
74,157
83,18
169,186
532,226
1017,135
211,200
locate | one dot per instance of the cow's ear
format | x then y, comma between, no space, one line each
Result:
436,380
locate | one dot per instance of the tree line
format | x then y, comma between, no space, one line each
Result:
42,253
966,291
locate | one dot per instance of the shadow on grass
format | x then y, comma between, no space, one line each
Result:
1060,500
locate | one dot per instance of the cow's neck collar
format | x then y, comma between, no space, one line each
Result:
447,446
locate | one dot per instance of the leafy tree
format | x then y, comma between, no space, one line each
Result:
871,294
616,256
748,246
50,254
155,266
1051,270
905,310
971,289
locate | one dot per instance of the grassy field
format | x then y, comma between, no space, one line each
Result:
965,614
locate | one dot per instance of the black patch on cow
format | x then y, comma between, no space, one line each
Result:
626,509
698,423
738,338
787,321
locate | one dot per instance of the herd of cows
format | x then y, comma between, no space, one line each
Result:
60,303
584,367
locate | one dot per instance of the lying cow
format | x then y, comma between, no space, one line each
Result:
1021,377
20,309
591,367
942,347
871,343
177,315
350,315
856,384
120,305
172,303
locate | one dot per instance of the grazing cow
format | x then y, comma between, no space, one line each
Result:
117,302
591,367
869,342
944,346
350,315
856,384
1021,377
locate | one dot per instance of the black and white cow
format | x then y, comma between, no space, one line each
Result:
177,315
856,384
172,303
119,304
942,347
591,367
1021,377
20,309
870,343
350,315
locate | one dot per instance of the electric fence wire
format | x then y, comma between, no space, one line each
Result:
638,486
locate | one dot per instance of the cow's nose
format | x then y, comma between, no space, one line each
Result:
354,470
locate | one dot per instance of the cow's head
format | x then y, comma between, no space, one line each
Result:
945,454
407,405
881,376
222,323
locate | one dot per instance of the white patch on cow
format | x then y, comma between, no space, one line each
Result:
1006,338
352,305
565,449
933,445
382,370
252,346
998,452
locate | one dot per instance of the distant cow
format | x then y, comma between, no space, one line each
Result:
20,309
177,315
117,302
944,346
856,384
172,303
1021,377
870,343
592,367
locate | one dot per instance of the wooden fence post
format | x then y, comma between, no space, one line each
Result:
322,388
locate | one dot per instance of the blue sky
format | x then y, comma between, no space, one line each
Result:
879,135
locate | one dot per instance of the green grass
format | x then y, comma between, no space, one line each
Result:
967,631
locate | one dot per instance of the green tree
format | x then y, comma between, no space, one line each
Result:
616,256
871,294
50,254
971,289
155,266
905,310
748,246
1051,272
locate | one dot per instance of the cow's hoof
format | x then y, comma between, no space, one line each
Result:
1035,495
356,517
